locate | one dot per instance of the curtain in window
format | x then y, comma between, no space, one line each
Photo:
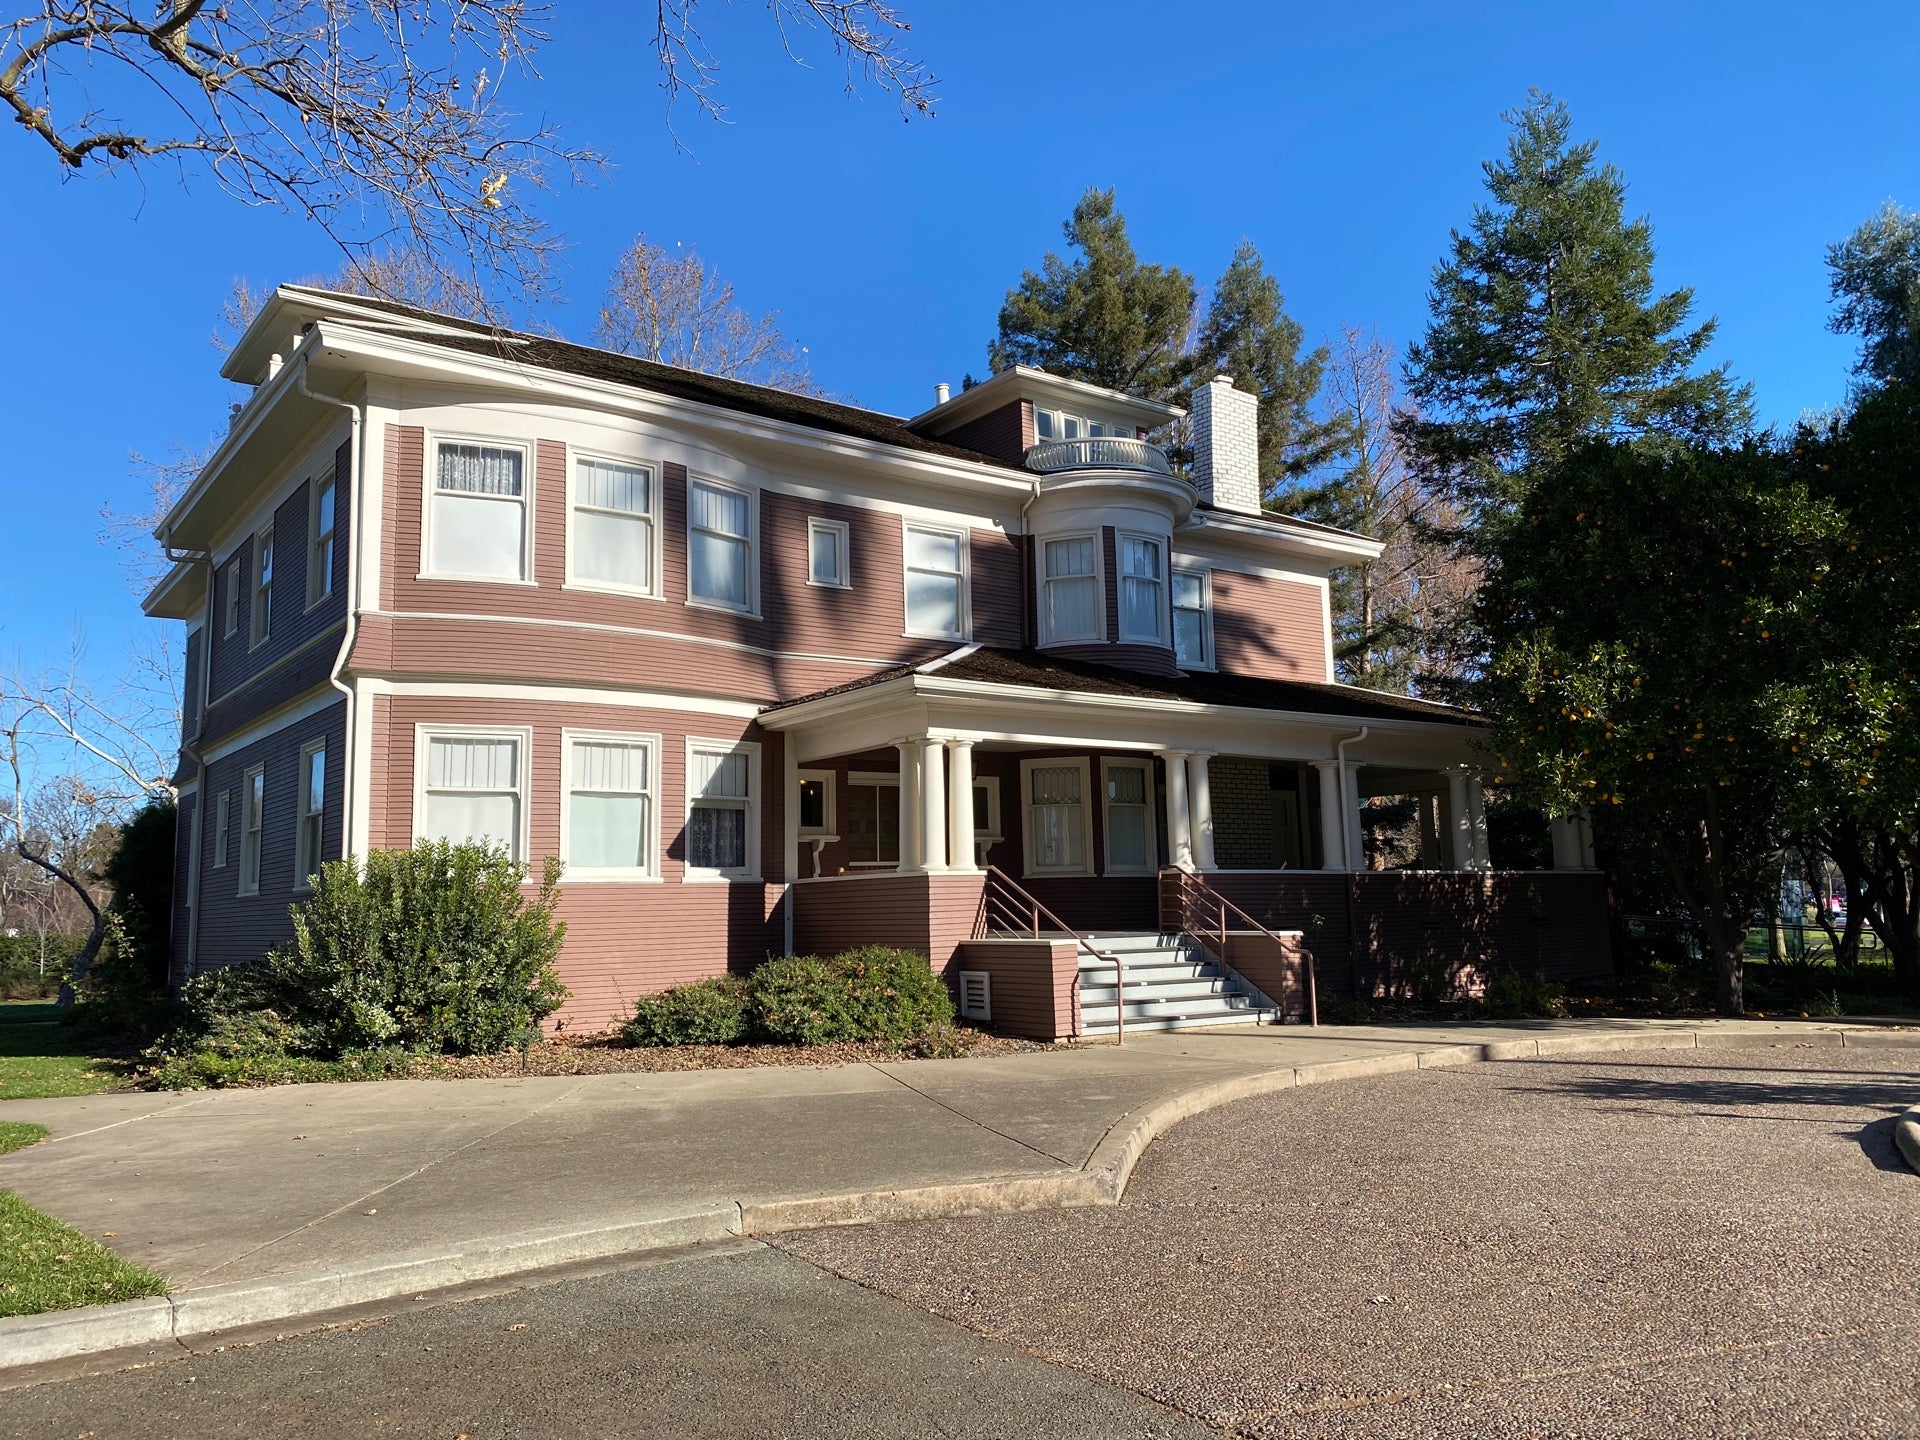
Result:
607,808
1189,618
1059,832
613,524
1141,592
933,583
472,790
479,470
479,522
717,829
718,545
1073,594
1127,838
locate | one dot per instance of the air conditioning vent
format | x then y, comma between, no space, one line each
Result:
976,995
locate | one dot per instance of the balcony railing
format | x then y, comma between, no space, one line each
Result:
1098,452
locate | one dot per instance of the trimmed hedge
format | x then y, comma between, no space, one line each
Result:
711,1012
871,994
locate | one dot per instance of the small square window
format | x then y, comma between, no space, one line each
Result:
827,553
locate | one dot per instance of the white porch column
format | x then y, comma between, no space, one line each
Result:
909,804
1583,828
790,843
1200,809
1477,823
1356,833
1333,835
1179,822
1459,822
1572,842
960,846
933,804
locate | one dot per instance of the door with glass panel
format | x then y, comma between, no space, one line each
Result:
1131,847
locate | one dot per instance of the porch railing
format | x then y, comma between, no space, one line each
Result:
1204,911
1007,908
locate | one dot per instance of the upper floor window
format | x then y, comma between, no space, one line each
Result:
262,587
1143,589
220,819
827,553
313,809
320,555
1192,632
719,545
723,809
1071,603
611,802
472,786
253,806
612,538
230,605
1065,425
936,582
477,519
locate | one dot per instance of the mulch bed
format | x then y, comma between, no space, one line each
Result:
608,1054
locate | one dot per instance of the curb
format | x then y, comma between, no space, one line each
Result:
1102,1180
1906,1136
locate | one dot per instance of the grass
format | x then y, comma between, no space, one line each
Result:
40,1058
16,1136
45,1265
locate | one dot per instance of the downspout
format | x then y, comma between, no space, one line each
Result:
1340,757
1029,566
204,682
1347,819
357,461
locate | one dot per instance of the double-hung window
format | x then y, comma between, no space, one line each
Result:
1054,797
611,804
473,787
220,818
313,809
253,805
719,545
1143,589
873,819
612,540
1071,603
827,553
936,582
1131,847
477,521
1192,634
723,806
230,603
262,588
320,553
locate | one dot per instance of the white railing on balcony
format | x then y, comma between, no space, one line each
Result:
1098,452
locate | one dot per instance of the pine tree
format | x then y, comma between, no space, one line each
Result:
1547,331
1102,317
1876,280
1248,334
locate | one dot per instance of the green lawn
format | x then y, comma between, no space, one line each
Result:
41,1058
18,1137
45,1265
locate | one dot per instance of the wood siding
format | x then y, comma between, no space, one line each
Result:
1268,627
1005,433
1036,984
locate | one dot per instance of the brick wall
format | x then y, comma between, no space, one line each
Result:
1242,796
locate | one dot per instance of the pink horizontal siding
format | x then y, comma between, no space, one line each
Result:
1275,629
1036,984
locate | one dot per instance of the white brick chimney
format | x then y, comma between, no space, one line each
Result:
1226,446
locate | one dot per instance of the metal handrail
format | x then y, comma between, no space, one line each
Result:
1098,452
1187,877
1012,919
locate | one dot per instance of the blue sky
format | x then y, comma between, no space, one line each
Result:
1344,142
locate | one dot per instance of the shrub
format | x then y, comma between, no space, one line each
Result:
712,1012
875,993
117,993
140,870
1513,995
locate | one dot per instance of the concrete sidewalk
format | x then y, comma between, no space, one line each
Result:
241,1189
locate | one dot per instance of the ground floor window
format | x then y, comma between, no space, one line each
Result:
313,808
873,819
610,803
1130,833
473,787
723,808
1053,794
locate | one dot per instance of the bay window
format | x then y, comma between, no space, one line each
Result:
477,515
723,808
719,545
1070,606
1143,589
610,804
611,536
472,787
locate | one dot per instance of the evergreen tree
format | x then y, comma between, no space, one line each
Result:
1248,334
1102,317
1876,280
1547,331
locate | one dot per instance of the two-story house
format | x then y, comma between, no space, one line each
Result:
769,673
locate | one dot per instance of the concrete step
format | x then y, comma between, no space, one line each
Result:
1241,1007
1194,1022
1126,940
1148,962
1190,989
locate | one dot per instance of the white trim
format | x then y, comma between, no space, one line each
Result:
230,600
752,539
996,830
1027,847
561,695
1042,580
318,701
1205,576
248,681
330,479
430,481
654,515
1144,763
1164,613
828,813
425,731
750,872
964,575
840,528
648,873
305,865
246,889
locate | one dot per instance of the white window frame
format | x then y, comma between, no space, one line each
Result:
879,780
259,616
1108,764
1163,613
222,816
656,560
965,574
701,602
1099,632
319,568
840,529
649,873
528,481
1205,577
427,731
750,872
996,829
305,863
1027,847
258,832
829,815
230,605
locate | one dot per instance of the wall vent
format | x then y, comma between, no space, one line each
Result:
976,995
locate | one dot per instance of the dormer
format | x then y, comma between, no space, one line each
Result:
1019,410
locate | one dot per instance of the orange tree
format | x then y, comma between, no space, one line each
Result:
1641,610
